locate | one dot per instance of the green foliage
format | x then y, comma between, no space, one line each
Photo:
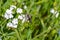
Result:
43,25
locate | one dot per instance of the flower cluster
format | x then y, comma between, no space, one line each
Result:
22,17
13,24
19,10
9,14
56,13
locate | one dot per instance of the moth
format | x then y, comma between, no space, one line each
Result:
28,17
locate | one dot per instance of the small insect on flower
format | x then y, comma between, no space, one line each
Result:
28,17
25,18
56,13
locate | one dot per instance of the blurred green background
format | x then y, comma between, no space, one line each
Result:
43,25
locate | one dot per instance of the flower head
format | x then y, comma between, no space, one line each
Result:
52,11
12,7
25,7
20,17
15,21
11,25
8,11
56,13
7,16
19,10
23,20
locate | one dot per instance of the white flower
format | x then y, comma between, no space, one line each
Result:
12,7
57,14
23,20
20,17
10,16
25,7
15,21
19,10
9,11
11,25
23,16
7,16
52,11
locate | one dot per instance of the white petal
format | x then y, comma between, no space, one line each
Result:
6,16
25,7
12,7
10,16
23,20
9,11
19,10
52,11
57,14
15,21
9,24
23,16
20,17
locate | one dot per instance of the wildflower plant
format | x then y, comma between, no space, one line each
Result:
29,19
